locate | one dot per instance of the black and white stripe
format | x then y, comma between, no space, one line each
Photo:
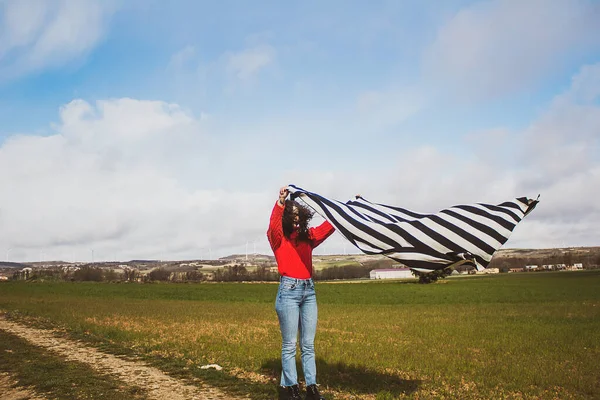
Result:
463,234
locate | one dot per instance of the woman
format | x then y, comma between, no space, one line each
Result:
296,305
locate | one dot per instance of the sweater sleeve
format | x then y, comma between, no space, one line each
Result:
320,233
275,232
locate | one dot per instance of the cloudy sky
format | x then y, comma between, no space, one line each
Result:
154,129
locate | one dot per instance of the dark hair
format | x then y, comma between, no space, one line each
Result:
287,221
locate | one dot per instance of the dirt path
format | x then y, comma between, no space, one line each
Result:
158,385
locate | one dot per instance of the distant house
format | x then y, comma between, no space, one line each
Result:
578,266
3,278
391,273
26,273
531,267
515,270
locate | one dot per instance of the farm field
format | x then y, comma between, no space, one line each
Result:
514,336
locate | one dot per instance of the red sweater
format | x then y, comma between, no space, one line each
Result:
294,257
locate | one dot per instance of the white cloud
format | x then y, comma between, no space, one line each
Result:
37,34
247,64
384,108
190,76
127,178
21,23
500,46
557,156
123,119
196,78
564,140
145,179
180,59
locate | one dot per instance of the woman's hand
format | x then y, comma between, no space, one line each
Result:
283,193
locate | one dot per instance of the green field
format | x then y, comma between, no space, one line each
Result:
533,335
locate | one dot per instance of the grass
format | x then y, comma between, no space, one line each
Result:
320,265
57,378
507,336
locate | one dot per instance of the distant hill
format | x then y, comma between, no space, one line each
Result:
541,253
249,257
142,261
7,264
519,258
589,256
503,258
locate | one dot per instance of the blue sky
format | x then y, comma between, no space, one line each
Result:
147,129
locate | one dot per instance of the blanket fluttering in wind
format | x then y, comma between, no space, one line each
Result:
463,234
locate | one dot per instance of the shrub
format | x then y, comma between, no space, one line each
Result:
429,277
159,274
87,273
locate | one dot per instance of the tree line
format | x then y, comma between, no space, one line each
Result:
230,273
268,272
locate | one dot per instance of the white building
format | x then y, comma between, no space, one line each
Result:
391,273
489,271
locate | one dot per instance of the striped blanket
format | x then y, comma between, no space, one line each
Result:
463,234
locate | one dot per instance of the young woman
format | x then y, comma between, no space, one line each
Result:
296,304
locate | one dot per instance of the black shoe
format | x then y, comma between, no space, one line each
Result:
312,393
289,393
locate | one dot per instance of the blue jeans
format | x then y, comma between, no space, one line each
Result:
296,307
